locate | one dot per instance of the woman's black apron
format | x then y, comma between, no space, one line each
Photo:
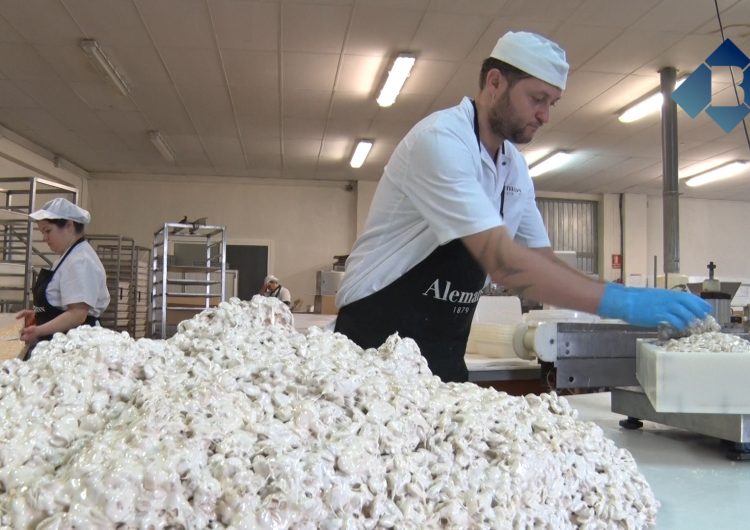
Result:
433,303
43,310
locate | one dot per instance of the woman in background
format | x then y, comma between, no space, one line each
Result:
272,287
74,291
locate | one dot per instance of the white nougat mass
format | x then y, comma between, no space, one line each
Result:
240,421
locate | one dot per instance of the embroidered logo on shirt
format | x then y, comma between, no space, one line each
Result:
512,189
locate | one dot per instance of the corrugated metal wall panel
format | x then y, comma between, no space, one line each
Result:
572,226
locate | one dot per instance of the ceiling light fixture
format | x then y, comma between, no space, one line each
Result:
397,76
645,105
161,145
104,64
360,153
550,162
724,171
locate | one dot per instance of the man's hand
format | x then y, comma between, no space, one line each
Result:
651,307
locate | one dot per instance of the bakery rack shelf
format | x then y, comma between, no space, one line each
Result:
188,273
22,250
127,267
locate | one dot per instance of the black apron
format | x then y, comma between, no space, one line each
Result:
43,310
433,303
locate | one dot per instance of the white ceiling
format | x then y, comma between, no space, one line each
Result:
283,88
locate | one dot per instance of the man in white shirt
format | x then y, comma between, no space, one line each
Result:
456,204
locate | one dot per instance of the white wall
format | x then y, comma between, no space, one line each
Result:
635,246
21,158
709,231
306,224
609,236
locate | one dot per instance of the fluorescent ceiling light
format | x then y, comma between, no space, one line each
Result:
104,64
158,140
644,107
397,76
721,172
360,153
550,162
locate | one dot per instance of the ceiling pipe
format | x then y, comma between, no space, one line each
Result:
670,190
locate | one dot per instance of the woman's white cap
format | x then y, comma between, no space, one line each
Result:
62,209
271,278
535,55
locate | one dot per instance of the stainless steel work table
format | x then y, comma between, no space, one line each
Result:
698,487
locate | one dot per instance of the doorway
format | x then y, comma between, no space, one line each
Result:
251,264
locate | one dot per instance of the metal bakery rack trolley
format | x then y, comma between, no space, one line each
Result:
178,290
22,246
127,268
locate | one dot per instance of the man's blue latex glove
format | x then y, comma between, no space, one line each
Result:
651,307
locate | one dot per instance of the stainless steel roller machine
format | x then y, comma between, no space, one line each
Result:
603,355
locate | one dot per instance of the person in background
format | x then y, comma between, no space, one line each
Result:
456,204
74,291
272,287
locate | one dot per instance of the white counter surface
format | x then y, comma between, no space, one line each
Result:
302,321
698,487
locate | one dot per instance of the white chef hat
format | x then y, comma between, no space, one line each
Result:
62,209
272,278
533,54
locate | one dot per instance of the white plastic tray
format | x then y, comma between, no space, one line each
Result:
693,382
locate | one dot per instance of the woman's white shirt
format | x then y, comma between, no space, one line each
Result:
80,278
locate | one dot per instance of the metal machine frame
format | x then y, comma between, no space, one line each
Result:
591,354
595,355
732,429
